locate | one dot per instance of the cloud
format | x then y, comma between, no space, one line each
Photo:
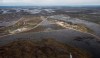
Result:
17,1
49,2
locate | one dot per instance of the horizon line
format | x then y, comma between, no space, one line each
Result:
54,5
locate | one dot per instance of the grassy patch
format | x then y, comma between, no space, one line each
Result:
27,22
46,48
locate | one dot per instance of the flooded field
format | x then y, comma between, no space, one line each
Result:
56,32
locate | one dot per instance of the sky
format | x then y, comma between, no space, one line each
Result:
48,2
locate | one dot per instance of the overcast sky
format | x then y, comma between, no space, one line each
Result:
48,2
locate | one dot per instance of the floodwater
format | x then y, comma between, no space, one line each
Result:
78,39
84,41
93,26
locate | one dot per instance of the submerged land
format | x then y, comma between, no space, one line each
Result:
78,28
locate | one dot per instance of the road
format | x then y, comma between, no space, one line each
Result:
44,22
12,22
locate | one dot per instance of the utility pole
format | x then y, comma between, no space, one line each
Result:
71,55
